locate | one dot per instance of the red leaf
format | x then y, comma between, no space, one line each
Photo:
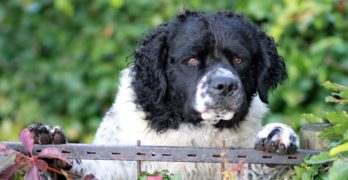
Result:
21,158
27,139
154,178
32,174
41,164
53,153
8,165
8,172
4,150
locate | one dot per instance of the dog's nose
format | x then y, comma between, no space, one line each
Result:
223,86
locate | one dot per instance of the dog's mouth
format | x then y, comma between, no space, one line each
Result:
212,114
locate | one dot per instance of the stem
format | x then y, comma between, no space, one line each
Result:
55,170
59,172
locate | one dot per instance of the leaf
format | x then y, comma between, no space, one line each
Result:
41,164
333,86
6,161
309,173
27,139
299,171
32,174
228,175
4,150
339,170
338,149
312,118
7,157
337,117
142,177
177,176
9,171
323,176
345,136
53,153
320,158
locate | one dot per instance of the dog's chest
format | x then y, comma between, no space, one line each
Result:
114,131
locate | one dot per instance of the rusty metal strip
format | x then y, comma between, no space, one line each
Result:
170,153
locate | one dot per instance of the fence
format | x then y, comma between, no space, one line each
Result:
180,154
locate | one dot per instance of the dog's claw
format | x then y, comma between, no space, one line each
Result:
42,134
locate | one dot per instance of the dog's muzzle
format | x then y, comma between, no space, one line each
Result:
218,96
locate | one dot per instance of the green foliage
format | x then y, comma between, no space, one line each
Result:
159,175
60,59
332,164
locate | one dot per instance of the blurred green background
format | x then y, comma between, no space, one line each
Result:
60,59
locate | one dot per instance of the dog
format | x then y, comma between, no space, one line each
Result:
196,80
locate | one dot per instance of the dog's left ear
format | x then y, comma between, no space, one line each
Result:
271,67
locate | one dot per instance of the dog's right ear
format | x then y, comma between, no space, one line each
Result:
149,81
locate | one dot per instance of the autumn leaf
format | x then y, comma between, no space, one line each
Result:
41,164
27,139
53,153
32,174
4,150
8,165
8,172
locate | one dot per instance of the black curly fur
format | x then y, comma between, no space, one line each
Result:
164,94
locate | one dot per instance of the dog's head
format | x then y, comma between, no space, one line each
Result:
204,68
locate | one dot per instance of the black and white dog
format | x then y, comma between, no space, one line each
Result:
197,80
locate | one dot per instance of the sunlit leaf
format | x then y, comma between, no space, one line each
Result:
337,117
338,149
320,158
299,171
116,3
333,86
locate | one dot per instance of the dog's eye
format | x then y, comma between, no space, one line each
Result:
237,60
193,62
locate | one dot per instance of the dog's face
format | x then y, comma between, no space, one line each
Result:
201,68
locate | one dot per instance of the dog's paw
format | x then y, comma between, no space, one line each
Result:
278,138
43,134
